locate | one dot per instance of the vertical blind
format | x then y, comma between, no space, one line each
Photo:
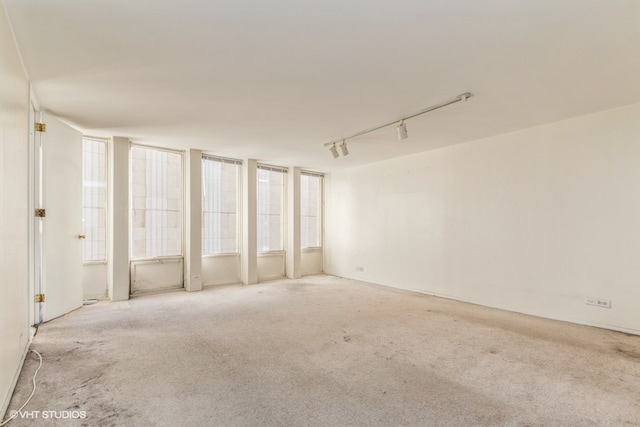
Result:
156,187
94,199
220,178
311,210
270,207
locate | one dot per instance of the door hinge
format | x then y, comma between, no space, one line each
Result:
41,127
39,297
41,213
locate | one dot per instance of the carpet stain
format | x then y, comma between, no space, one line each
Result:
630,354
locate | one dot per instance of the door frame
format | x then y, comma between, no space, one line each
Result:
36,285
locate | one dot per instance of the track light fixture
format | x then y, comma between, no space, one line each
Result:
402,127
344,149
402,131
334,151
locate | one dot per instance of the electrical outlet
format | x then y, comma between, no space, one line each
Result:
598,302
359,268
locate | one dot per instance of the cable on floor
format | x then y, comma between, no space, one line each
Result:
16,413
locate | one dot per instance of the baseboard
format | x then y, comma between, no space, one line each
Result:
510,309
541,315
14,382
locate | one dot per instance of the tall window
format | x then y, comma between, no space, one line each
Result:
94,199
156,189
311,210
270,208
219,205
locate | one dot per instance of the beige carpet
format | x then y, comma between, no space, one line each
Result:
324,351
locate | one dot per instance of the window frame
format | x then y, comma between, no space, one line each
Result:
182,215
104,141
283,211
239,164
320,216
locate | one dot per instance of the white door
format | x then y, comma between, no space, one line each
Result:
58,244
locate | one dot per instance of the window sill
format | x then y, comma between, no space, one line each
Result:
271,253
316,249
223,255
101,262
159,259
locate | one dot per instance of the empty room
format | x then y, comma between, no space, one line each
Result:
322,213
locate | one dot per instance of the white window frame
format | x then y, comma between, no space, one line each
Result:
238,163
86,234
132,206
283,212
320,215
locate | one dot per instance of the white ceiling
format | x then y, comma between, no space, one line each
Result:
275,80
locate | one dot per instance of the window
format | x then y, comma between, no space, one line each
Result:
94,199
219,205
310,210
270,208
156,189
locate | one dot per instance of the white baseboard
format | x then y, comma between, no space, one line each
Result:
12,387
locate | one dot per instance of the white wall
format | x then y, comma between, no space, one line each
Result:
249,241
531,221
271,265
94,280
193,221
14,211
311,261
118,211
220,269
158,274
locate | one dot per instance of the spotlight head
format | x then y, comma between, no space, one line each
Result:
344,149
402,131
334,151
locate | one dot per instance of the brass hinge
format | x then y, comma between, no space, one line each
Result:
41,213
39,297
41,127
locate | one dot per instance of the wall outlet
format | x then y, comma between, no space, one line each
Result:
598,302
359,268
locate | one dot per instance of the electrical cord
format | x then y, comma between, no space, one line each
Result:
16,413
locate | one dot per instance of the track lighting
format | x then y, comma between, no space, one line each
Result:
334,151
402,131
344,149
402,127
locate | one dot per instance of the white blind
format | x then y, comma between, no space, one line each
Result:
94,199
309,173
271,168
157,200
311,210
219,205
270,207
221,159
